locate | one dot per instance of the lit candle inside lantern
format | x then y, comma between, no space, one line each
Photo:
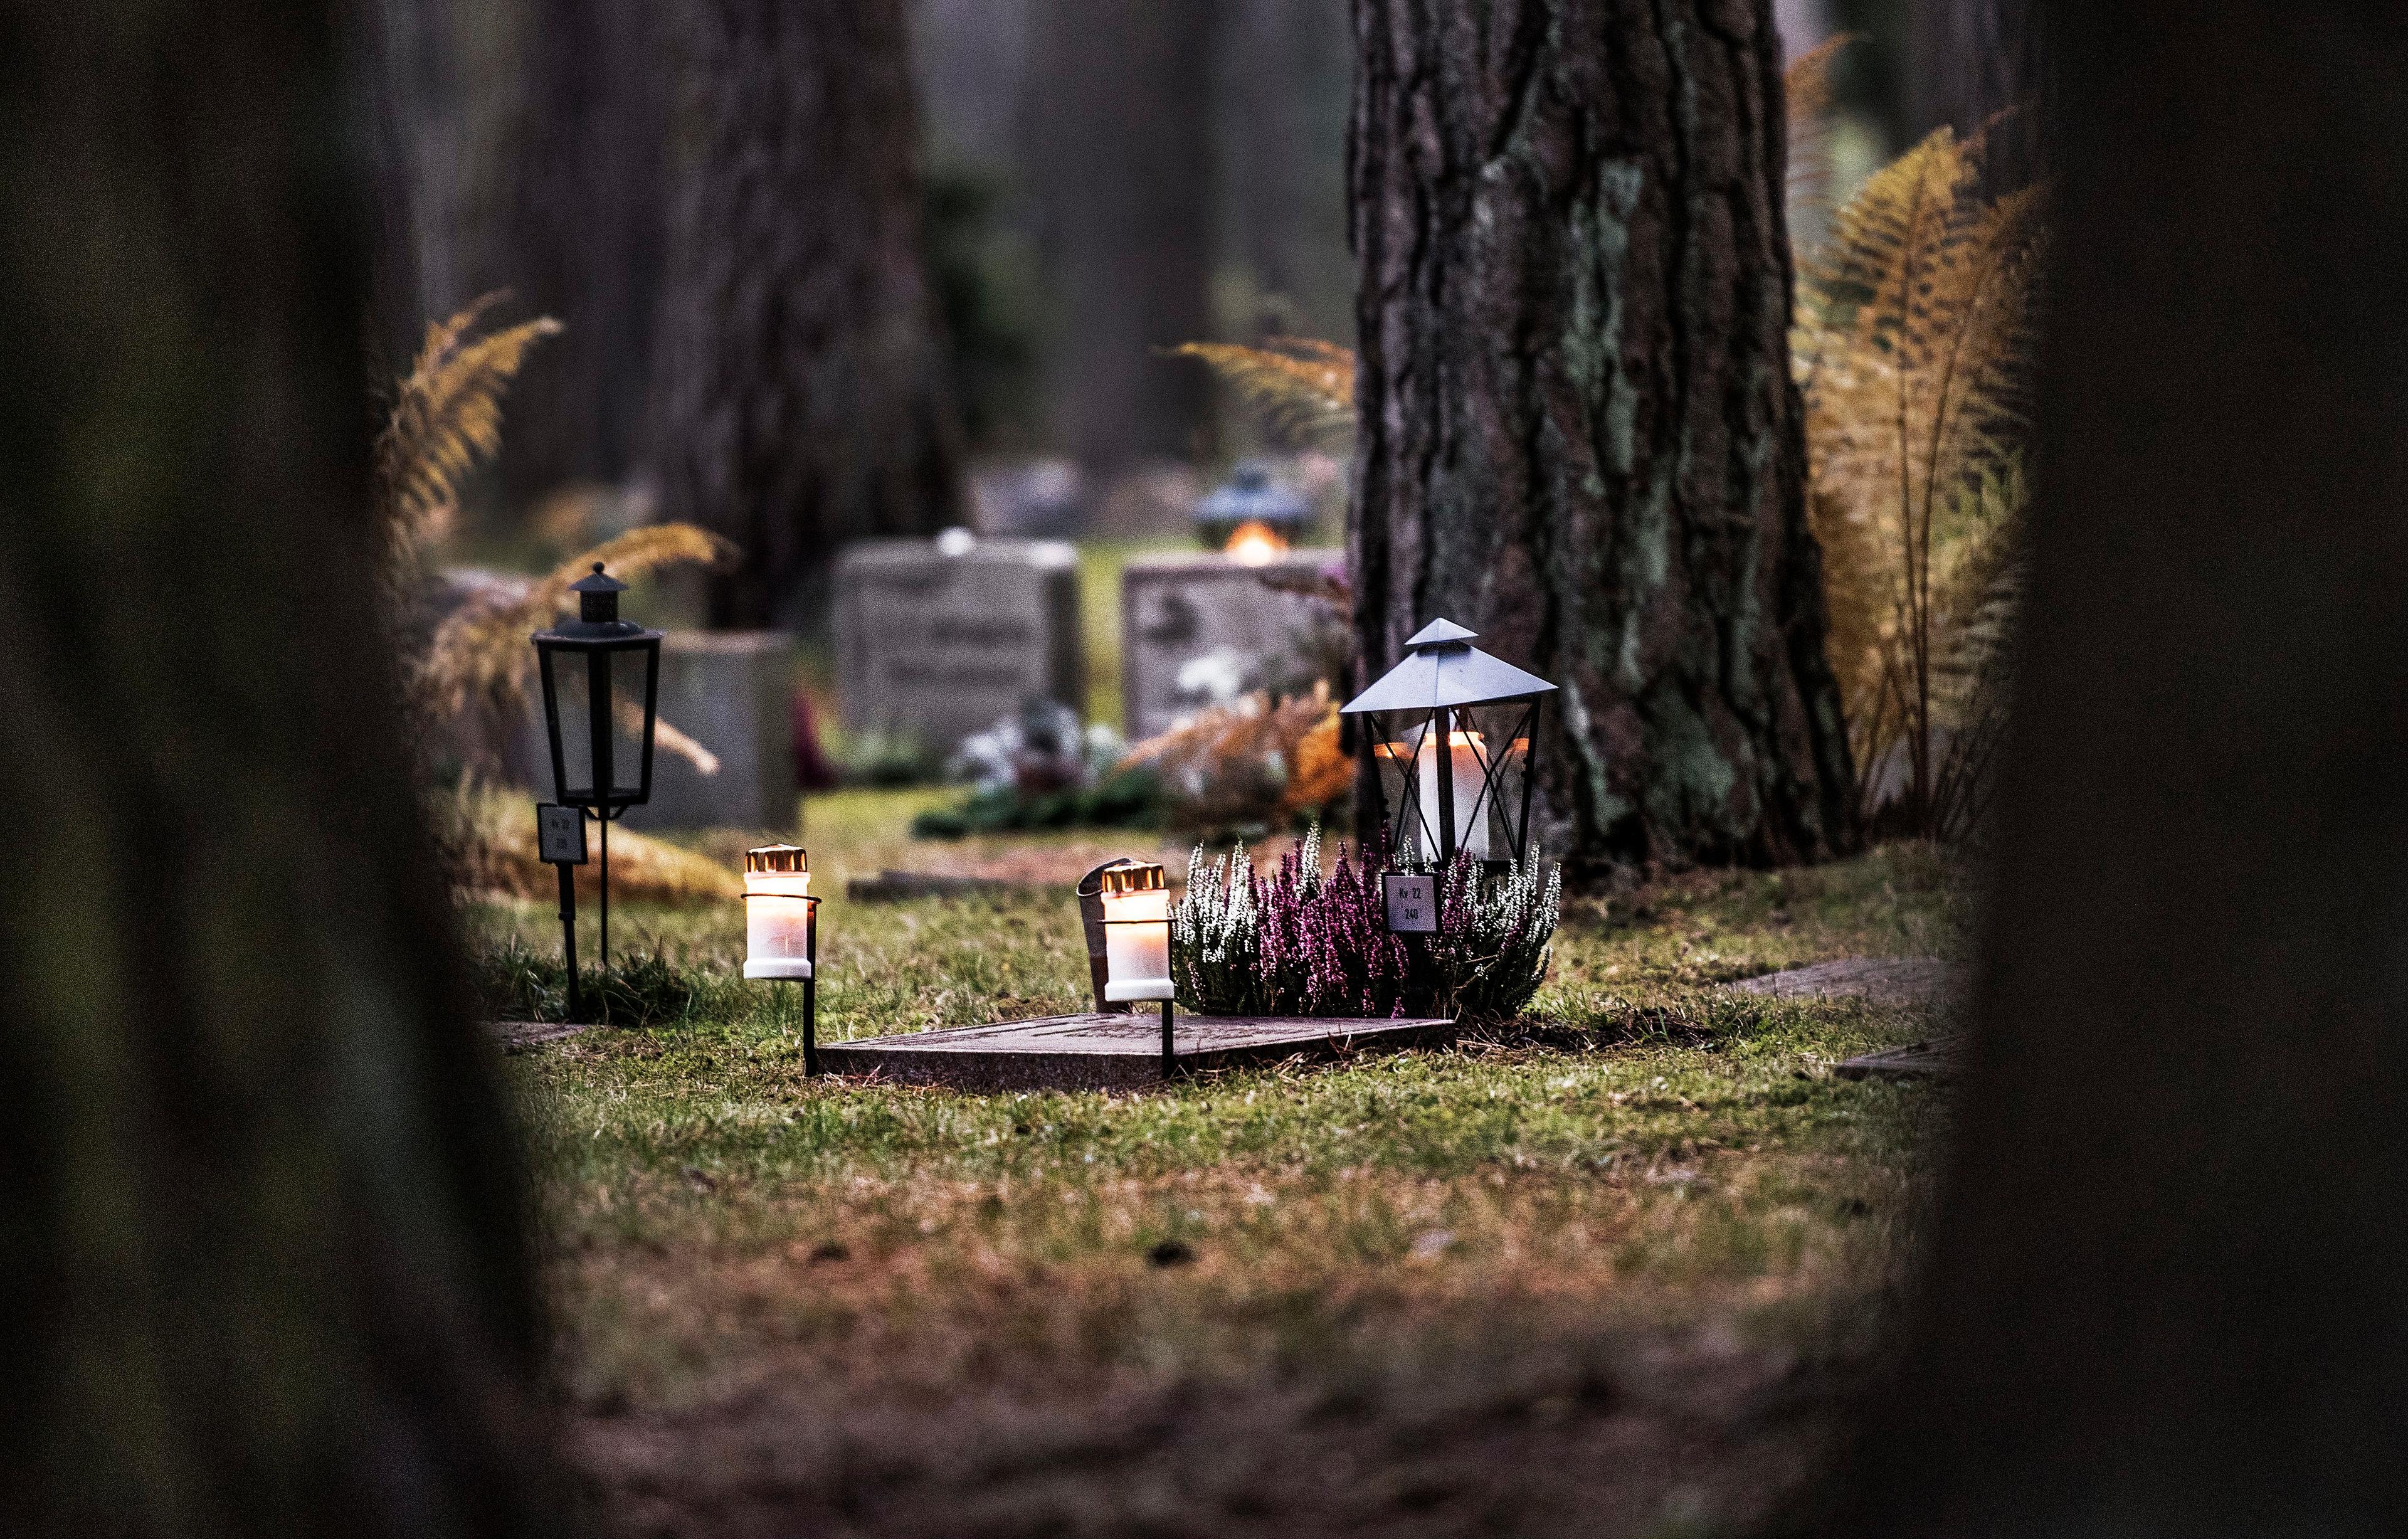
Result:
1468,778
1136,932
777,913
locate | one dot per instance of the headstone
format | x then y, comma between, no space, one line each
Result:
935,641
729,691
1201,629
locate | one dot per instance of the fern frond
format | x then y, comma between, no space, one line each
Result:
1913,345
1806,100
478,655
446,419
1304,385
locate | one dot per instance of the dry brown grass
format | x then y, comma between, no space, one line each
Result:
489,838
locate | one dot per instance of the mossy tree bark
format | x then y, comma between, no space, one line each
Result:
1579,435
805,396
264,1268
2166,1268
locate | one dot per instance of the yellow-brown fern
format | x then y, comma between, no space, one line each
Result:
1913,344
446,419
1304,385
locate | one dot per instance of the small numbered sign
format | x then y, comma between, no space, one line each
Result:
1412,903
560,834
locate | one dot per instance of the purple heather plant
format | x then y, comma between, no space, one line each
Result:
1301,943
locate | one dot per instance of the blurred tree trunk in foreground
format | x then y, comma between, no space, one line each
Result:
588,238
2166,1274
1974,60
264,1272
1121,153
1578,431
804,398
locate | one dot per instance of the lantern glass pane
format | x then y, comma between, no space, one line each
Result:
630,745
573,697
1500,738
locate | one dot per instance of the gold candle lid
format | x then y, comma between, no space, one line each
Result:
1131,876
790,858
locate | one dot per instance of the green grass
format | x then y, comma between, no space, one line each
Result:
718,1226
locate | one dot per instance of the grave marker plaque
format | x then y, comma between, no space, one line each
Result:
1412,903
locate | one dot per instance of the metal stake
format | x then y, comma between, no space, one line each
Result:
1170,1060
811,1000
606,893
568,938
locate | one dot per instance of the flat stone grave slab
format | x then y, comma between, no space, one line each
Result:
1936,1059
1096,1052
1879,980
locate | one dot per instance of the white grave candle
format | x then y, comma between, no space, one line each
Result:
777,913
1466,776
1136,932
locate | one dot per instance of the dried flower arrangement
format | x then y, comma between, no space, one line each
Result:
1303,943
1251,764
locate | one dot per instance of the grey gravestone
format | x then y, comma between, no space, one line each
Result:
1196,629
733,692
938,640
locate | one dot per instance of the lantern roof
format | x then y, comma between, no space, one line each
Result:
1251,492
598,623
1442,667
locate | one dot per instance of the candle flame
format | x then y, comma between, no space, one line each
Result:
1254,543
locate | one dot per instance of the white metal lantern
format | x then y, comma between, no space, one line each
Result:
1136,932
780,915
1451,731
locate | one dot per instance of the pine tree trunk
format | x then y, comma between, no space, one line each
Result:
589,232
1122,156
2166,1274
265,1271
1579,435
805,396
1983,67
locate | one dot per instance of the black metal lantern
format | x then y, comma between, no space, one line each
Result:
1450,728
601,683
1250,495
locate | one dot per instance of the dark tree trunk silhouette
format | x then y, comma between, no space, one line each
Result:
1578,431
589,229
265,1267
420,133
2166,1272
805,400
1975,60
1122,156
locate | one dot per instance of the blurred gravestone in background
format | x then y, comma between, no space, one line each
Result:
728,691
1201,629
936,641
